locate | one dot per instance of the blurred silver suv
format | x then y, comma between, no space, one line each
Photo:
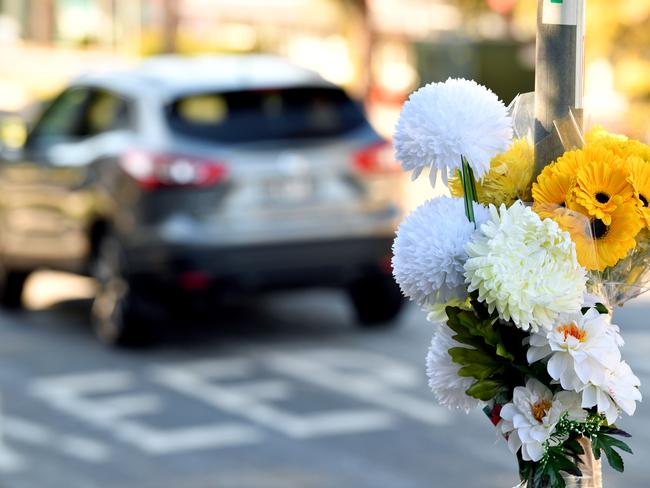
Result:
193,177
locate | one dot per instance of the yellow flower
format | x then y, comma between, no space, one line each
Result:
508,180
639,177
554,186
618,144
569,162
598,134
602,183
599,245
551,191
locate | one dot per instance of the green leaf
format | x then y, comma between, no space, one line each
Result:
478,371
574,447
611,442
502,352
615,431
484,389
464,356
603,442
602,309
556,479
615,460
538,478
595,448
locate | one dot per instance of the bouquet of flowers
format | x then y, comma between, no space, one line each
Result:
520,276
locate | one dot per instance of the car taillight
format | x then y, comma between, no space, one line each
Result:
162,170
376,158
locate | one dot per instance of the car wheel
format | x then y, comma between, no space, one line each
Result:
11,287
377,300
117,314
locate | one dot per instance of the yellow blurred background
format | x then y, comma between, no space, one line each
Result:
379,49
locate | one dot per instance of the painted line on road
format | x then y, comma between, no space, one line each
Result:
200,380
322,368
31,433
187,439
115,410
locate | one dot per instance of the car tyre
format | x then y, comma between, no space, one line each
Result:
12,284
377,300
118,312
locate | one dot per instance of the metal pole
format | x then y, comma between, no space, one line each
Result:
559,90
559,73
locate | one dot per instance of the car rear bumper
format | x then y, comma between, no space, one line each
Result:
262,266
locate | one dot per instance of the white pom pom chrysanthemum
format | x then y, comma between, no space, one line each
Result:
525,268
429,250
442,121
448,387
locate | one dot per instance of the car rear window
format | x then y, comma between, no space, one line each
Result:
262,115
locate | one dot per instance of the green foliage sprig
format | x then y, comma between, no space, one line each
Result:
563,450
494,353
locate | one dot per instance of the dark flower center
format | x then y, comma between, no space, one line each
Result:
602,197
599,229
644,200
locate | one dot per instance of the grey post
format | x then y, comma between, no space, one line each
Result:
559,68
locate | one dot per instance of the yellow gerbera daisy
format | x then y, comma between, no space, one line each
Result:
618,144
599,245
508,180
551,191
569,162
554,186
602,183
639,177
598,134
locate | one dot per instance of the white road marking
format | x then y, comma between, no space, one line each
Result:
323,368
25,431
10,461
94,381
200,437
113,412
200,380
66,393
28,432
85,449
109,400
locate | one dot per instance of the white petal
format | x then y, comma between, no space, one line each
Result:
557,365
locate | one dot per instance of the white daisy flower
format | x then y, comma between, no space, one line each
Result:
525,268
448,387
581,349
429,251
443,121
530,420
618,392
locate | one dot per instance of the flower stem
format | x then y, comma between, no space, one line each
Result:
469,189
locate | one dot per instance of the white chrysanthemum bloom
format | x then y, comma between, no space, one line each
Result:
429,250
530,420
581,349
619,391
448,387
441,122
525,268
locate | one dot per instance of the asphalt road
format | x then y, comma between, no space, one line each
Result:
284,392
